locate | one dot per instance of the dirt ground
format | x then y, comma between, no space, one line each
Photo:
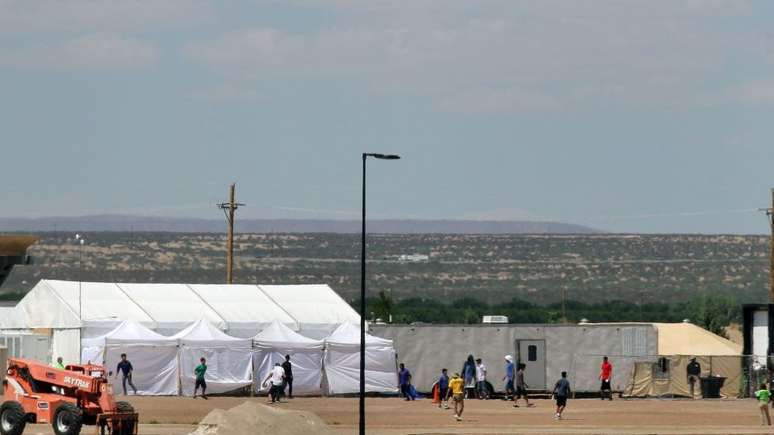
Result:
387,416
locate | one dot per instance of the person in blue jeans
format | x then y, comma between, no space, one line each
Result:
443,389
404,379
125,367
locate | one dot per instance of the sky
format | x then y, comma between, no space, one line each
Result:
627,116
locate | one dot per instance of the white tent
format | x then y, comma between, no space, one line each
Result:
317,308
246,308
306,354
69,311
153,357
229,364
342,362
164,304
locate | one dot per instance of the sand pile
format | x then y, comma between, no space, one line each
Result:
257,418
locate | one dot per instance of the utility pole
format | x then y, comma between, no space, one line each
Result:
770,351
229,208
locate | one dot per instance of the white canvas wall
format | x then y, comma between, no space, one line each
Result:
155,368
342,369
65,343
307,368
227,369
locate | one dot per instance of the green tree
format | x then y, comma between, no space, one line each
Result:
383,306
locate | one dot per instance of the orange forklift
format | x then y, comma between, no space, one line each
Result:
68,399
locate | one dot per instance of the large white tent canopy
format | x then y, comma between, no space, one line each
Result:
245,309
75,310
228,358
342,362
306,354
315,307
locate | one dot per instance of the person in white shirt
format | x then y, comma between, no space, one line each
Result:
483,392
276,379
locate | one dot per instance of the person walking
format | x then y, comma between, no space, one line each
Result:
521,387
59,364
443,389
605,375
457,391
693,370
288,368
200,371
404,379
561,393
483,391
275,382
509,377
469,376
125,367
764,396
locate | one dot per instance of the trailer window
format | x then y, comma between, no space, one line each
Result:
531,352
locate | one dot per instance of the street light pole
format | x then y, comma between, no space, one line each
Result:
80,241
363,288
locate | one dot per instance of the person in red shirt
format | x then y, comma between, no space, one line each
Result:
605,374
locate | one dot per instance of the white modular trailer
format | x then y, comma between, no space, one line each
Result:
546,350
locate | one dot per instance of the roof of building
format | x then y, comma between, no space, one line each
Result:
690,339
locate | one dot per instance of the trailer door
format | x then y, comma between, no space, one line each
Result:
532,353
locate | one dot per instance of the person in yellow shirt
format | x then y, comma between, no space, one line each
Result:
59,364
457,392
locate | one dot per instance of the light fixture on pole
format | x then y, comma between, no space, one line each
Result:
363,288
80,241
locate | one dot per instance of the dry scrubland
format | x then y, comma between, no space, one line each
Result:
493,267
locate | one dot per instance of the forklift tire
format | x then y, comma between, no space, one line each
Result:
68,420
12,418
128,427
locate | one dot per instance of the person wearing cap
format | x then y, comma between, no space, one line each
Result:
508,378
457,392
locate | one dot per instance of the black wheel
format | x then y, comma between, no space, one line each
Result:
12,418
68,420
127,427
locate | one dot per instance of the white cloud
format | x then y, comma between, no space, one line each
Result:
498,55
92,51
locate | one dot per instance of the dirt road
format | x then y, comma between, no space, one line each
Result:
175,415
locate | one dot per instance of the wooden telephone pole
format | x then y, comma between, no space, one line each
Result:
770,216
229,209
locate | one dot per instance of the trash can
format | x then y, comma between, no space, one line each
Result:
710,386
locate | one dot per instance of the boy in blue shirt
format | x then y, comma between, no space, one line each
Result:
404,379
561,393
508,378
443,389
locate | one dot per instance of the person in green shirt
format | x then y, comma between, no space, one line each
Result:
199,371
763,395
59,364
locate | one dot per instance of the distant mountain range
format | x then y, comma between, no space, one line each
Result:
190,225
